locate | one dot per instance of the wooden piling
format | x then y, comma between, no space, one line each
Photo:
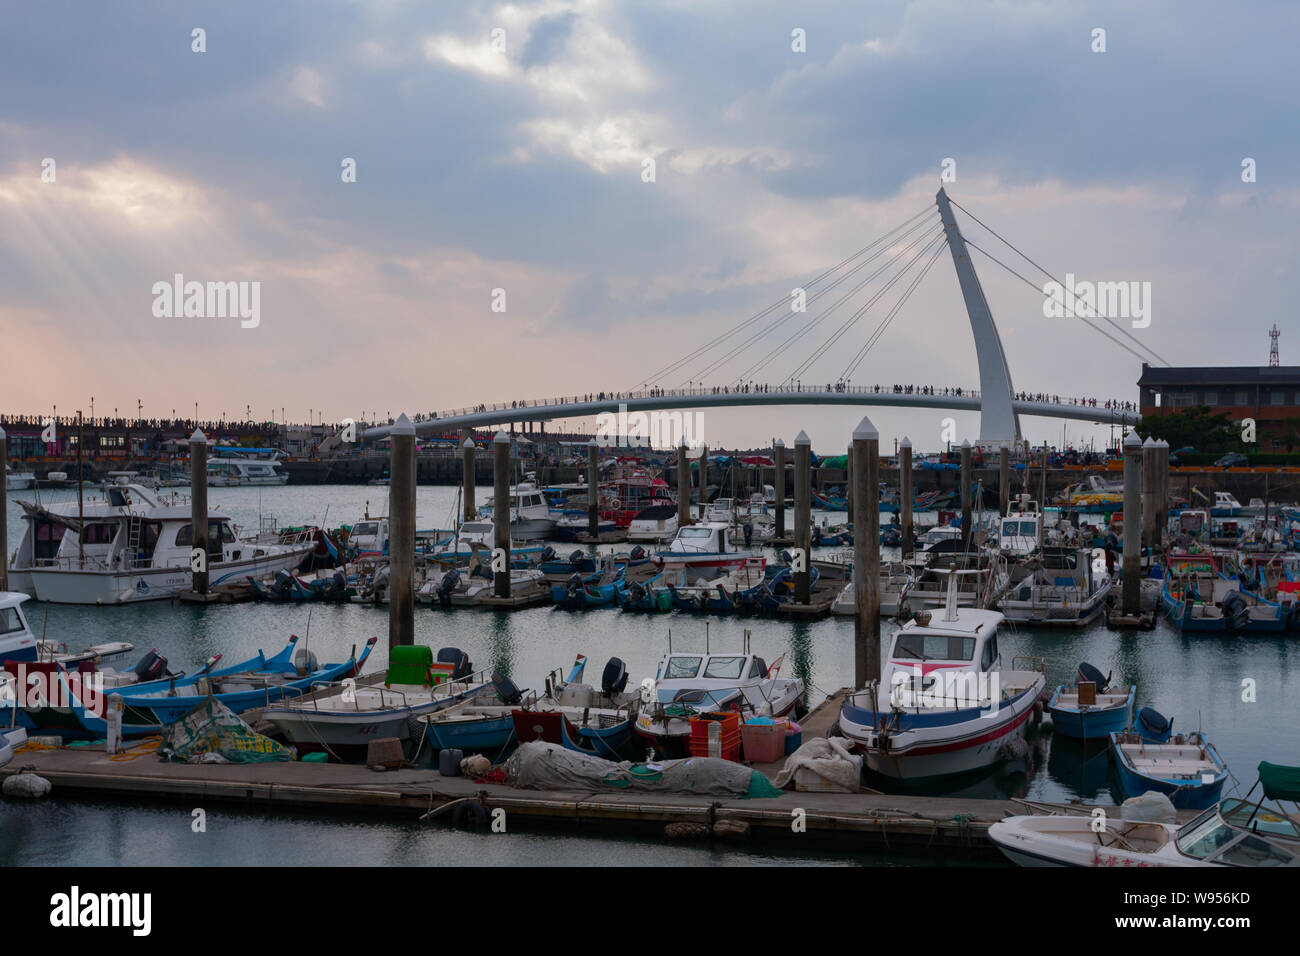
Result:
593,490
703,479
1162,491
966,493
1132,593
401,533
905,494
1004,478
4,511
199,512
683,486
1148,493
778,485
865,459
467,478
803,516
501,513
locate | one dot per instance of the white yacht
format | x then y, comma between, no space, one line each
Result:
1021,527
530,514
18,480
236,467
658,523
129,545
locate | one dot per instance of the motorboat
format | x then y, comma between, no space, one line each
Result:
1058,587
1235,832
18,643
1186,768
530,513
233,467
896,579
1226,505
657,524
1020,529
1090,709
689,684
579,717
704,549
944,705
18,480
132,545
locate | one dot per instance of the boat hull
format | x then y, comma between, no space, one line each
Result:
1091,724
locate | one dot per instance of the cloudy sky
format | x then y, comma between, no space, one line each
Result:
517,164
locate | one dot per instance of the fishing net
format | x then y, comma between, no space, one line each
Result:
213,728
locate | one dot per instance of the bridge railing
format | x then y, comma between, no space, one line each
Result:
756,388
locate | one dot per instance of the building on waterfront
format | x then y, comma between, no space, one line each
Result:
1268,394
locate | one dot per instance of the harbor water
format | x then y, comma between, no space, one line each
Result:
1234,689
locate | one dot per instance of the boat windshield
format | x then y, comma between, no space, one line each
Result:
1249,816
680,668
10,621
694,533
725,668
1205,836
365,528
933,647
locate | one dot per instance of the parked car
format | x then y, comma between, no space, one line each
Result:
1232,460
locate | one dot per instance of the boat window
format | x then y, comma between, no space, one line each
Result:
98,534
1029,529
1205,836
478,528
1009,528
987,658
694,533
725,668
10,621
758,668
933,647
117,498
227,535
364,528
1253,851
1241,813
682,667
184,535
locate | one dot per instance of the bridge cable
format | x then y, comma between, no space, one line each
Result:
853,319
1117,327
880,330
1139,356
786,316
782,347
779,302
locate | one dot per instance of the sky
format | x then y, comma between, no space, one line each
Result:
505,147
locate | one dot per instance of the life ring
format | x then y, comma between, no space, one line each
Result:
616,505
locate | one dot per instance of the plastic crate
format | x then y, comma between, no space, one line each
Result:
699,744
763,743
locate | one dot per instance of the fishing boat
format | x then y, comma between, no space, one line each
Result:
342,719
629,492
282,588
896,579
687,685
604,589
649,595
1186,768
483,723
704,549
944,705
530,513
1234,832
723,592
1226,505
1089,709
131,545
468,586
1059,587
260,680
579,717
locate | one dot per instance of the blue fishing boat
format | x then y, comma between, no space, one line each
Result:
260,680
606,590
580,718
829,502
482,724
283,588
651,595
1187,769
1090,709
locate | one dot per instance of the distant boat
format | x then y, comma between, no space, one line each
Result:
18,480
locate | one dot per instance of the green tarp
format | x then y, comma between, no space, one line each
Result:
212,727
839,461
1279,782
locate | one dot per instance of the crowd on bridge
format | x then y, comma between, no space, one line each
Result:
1085,402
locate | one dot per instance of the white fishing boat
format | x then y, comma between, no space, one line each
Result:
531,518
704,549
690,683
896,579
1020,529
233,467
130,545
343,718
1060,587
944,705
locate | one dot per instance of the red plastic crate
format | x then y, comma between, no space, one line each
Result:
730,735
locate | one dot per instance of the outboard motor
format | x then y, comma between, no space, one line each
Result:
338,584
282,584
461,667
446,586
614,679
575,558
304,661
506,689
785,557
548,553
636,592
1089,673
150,667
575,584
748,528
637,553
1235,610
1153,726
